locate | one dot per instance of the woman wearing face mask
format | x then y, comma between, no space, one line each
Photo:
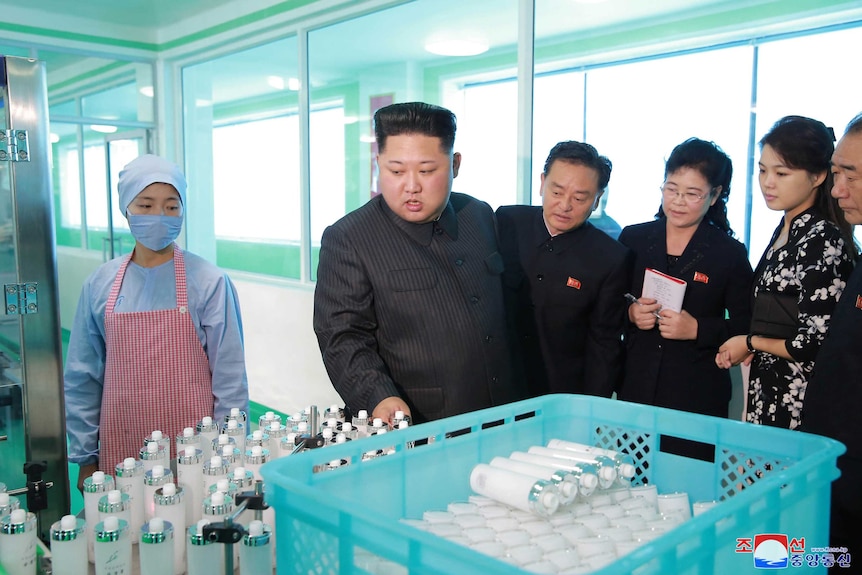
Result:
670,359
157,339
800,276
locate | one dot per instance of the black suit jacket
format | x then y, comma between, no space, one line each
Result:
834,393
683,374
565,300
414,310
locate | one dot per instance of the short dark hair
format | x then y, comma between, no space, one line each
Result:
581,154
415,118
855,125
708,159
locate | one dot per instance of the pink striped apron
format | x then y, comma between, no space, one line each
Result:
157,375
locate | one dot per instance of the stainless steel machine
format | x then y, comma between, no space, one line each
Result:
32,421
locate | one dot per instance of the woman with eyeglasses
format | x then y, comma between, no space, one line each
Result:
671,355
800,276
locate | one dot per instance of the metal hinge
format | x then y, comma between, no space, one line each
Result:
21,298
14,146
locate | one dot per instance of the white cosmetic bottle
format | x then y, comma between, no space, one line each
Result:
208,430
153,454
231,456
118,504
214,469
233,428
157,477
205,557
257,437
255,553
190,476
161,439
130,480
523,492
255,458
68,546
215,508
172,509
18,543
267,419
157,548
623,462
188,438
8,504
95,487
113,547
243,480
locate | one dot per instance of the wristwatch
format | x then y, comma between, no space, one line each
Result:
749,345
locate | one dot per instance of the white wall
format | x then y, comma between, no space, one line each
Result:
284,367
285,371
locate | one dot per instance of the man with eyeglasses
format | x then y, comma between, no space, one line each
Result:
834,394
565,279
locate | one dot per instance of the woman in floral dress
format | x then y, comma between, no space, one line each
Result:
808,259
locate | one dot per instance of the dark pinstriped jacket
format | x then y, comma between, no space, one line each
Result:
414,310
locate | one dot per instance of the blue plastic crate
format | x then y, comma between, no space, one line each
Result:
769,481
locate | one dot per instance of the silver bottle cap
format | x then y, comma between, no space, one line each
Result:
19,521
206,425
196,534
148,453
257,455
543,498
114,502
216,466
218,504
241,478
98,482
129,467
154,477
193,458
169,494
258,534
157,530
68,528
111,529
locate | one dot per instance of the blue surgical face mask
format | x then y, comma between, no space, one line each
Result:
155,232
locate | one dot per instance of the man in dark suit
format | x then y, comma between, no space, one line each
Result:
408,308
565,279
834,394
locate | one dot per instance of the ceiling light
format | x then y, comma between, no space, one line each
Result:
146,91
351,119
367,139
54,138
276,82
293,84
104,129
456,47
202,103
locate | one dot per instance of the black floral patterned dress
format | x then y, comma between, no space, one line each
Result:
813,264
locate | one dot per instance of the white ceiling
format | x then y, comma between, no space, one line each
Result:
391,37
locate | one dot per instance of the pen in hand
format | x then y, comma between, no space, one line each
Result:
633,299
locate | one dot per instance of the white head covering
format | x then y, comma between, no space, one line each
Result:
145,170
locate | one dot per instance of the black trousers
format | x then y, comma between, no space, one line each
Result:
845,520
